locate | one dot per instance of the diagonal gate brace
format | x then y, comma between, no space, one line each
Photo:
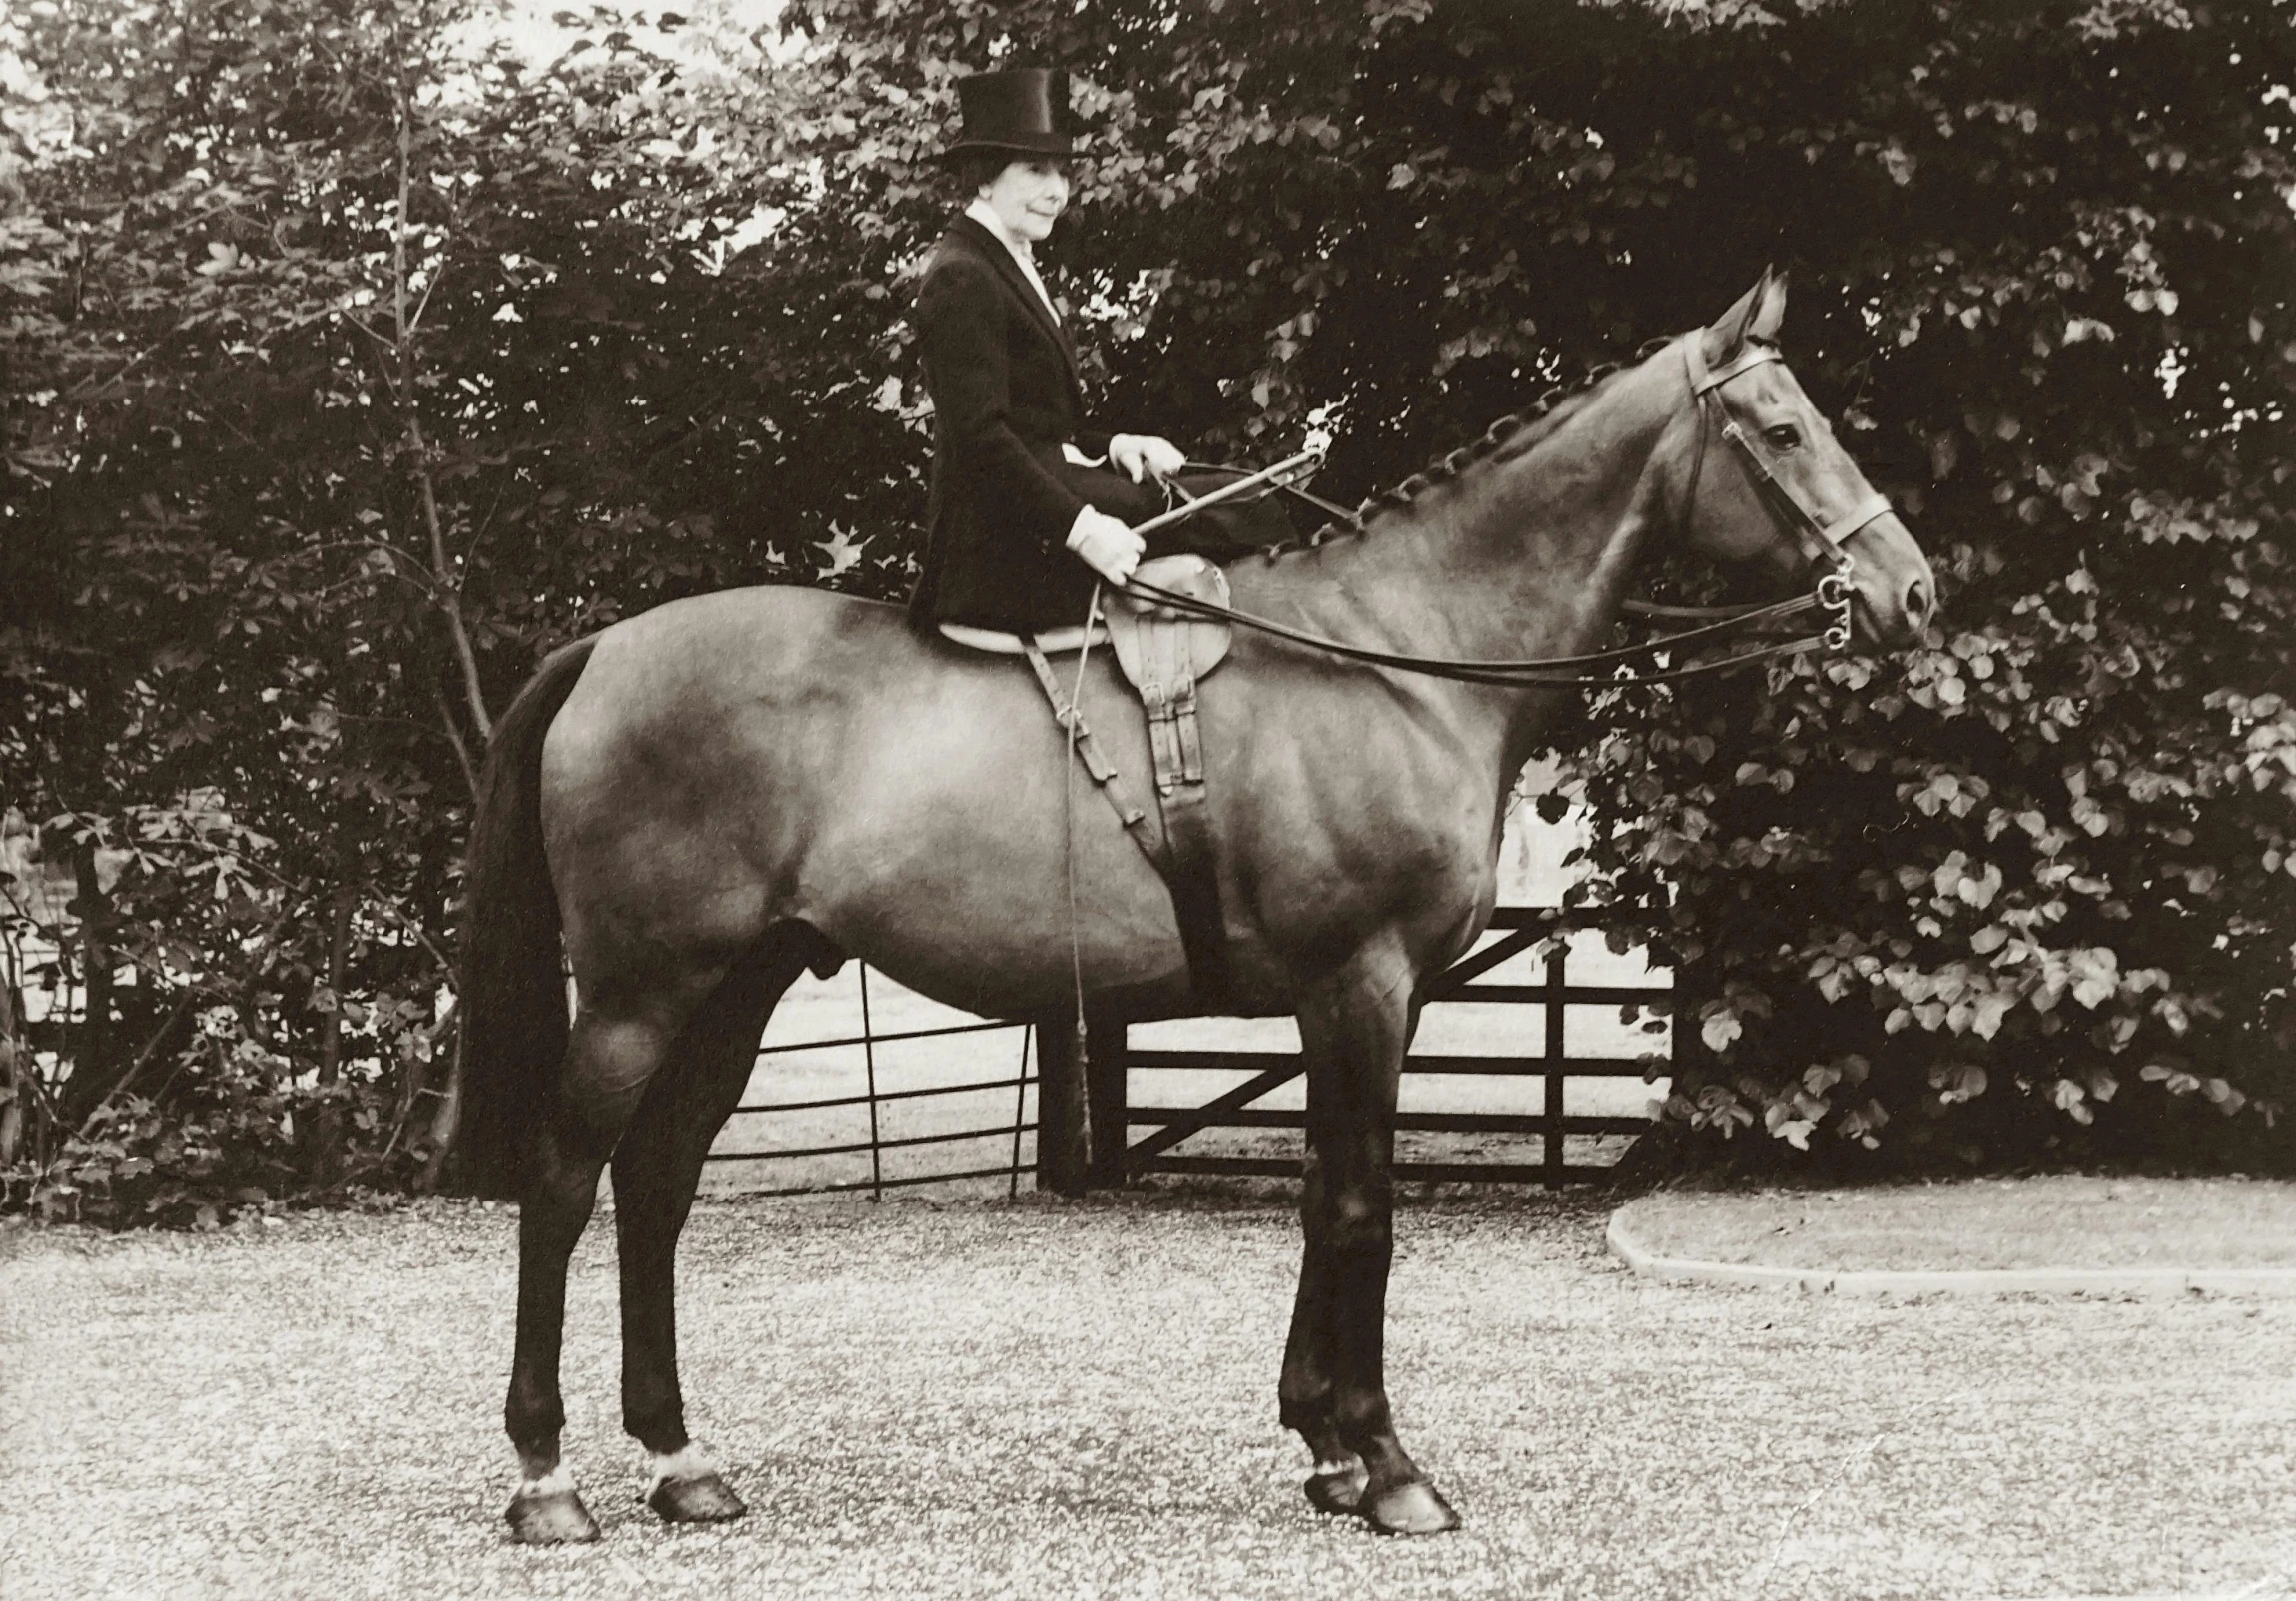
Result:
1447,984
1171,1134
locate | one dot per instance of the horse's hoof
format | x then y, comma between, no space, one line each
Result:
1410,1509
703,1499
554,1519
1338,1490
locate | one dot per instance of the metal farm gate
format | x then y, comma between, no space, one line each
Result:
877,1101
982,1147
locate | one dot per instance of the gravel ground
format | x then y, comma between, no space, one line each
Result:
1037,1400
2052,1220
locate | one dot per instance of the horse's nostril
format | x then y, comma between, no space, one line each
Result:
1917,602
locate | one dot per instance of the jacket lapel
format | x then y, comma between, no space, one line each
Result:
1000,260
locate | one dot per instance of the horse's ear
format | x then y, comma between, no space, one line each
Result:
1727,337
1769,307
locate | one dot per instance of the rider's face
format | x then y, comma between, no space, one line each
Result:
1028,196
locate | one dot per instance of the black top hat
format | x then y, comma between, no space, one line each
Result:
1024,110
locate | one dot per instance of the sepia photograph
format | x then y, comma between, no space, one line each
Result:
929,800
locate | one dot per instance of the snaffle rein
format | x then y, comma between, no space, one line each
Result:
1820,541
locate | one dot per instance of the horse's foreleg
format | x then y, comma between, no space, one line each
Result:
1305,1389
1353,1035
658,1168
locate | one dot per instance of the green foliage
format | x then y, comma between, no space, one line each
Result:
356,359
2036,873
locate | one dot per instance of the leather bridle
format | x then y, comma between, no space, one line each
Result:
1820,541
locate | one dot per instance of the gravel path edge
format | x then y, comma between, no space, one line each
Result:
2273,1282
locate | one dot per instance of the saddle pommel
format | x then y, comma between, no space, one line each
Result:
1157,645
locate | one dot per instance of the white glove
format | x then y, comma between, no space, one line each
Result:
1105,545
1135,453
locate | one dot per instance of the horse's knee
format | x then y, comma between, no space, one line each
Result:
1359,1222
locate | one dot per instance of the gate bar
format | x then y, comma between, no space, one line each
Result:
1553,1094
869,1065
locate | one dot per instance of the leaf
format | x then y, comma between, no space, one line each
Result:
842,551
1988,1013
1719,1029
2070,1098
2096,976
1957,1081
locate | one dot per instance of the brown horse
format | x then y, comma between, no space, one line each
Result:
709,798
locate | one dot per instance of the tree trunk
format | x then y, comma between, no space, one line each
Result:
324,1151
15,1067
443,1126
93,1069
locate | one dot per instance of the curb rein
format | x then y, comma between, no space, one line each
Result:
1821,543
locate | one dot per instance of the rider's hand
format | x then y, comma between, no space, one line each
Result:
1105,545
1135,453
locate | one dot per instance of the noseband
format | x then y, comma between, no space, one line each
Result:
1821,543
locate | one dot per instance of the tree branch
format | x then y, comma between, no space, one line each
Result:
175,1015
454,738
449,596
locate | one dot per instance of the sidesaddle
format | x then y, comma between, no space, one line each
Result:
1164,654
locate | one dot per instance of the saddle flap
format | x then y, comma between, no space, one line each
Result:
1159,646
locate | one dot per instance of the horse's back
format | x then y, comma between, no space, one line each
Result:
731,636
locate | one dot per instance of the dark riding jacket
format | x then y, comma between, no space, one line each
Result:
1006,396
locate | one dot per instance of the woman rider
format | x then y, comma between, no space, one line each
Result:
1023,517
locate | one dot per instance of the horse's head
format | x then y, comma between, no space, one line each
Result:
1780,488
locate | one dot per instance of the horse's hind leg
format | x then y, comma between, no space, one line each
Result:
562,1189
656,1169
608,1065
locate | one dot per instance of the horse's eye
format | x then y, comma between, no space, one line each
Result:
1784,436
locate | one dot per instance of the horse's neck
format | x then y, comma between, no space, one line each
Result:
1526,554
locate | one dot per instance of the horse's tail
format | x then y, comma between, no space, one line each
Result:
513,990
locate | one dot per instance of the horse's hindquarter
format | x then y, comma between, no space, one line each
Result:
739,759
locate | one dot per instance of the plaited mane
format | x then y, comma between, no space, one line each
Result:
1523,430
